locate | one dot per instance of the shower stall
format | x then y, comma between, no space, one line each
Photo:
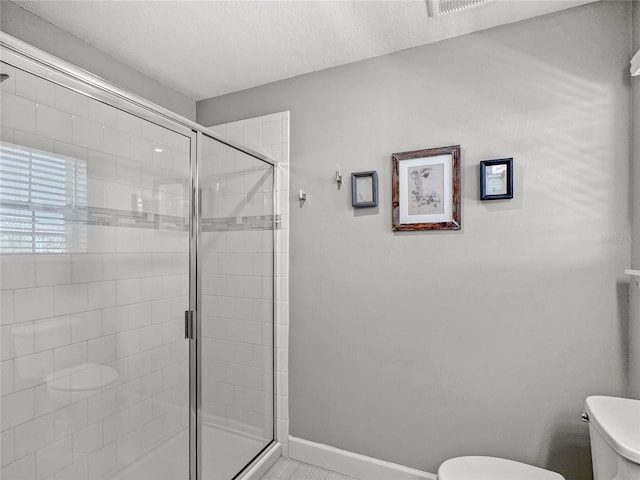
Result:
137,281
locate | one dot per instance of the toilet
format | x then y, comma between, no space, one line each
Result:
492,468
614,430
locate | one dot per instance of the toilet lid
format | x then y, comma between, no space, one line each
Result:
491,468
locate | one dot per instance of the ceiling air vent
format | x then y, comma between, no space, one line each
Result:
442,7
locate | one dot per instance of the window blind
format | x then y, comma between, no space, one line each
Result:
41,197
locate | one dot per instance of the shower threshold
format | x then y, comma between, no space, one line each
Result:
225,453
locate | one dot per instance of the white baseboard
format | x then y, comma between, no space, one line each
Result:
351,464
266,461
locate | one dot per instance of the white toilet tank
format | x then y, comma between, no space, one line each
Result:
614,429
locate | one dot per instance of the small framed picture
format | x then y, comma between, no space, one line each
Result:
426,189
496,179
364,189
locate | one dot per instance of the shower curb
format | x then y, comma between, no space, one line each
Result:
261,466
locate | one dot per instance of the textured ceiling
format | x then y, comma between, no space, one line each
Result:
208,48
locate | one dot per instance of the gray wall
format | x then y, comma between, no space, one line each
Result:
634,314
32,29
417,347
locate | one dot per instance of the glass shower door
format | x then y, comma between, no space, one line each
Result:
236,262
94,260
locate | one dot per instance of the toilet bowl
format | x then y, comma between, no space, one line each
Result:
614,430
492,468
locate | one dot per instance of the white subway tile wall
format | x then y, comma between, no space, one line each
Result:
94,364
237,302
239,379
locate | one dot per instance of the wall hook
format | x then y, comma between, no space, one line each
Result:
338,177
302,196
635,274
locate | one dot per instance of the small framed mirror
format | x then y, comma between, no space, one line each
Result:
364,189
496,179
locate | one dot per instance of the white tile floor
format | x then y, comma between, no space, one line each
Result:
286,469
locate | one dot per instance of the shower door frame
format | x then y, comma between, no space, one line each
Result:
30,59
195,351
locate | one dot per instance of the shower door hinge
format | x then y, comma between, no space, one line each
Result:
189,326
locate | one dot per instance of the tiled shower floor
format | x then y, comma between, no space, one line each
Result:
226,454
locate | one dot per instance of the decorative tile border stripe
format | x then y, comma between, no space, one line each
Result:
122,218
97,216
233,224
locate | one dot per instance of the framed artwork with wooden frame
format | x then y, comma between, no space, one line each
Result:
426,189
